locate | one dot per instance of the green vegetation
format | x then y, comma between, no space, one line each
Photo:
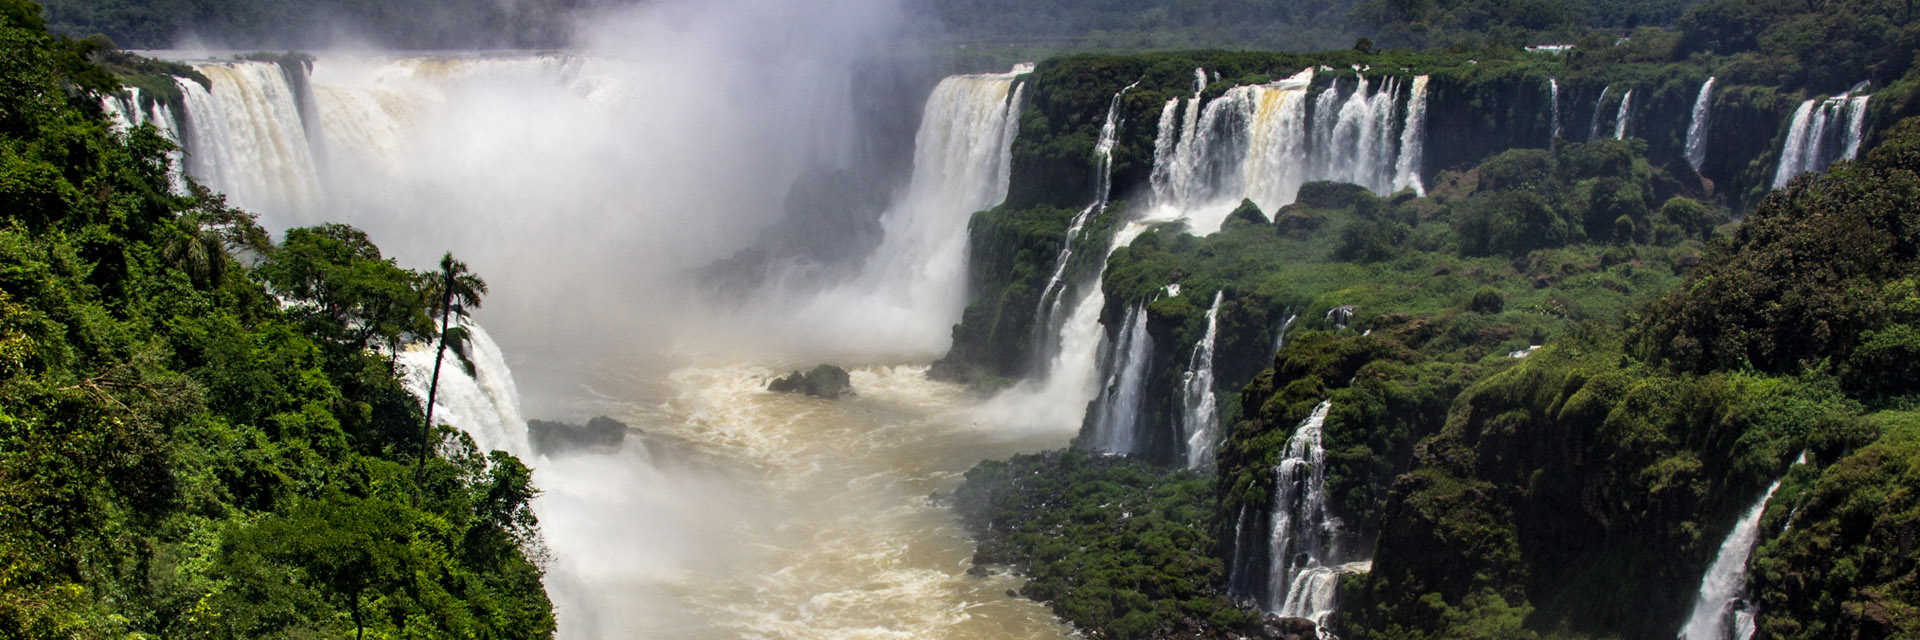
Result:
197,435
1595,479
1107,541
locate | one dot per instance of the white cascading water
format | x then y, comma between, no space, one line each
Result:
1304,569
1312,593
1116,414
1553,92
246,139
1593,125
1257,142
128,112
1103,187
1815,138
485,405
1620,118
1718,609
1199,414
1413,140
913,288
1697,125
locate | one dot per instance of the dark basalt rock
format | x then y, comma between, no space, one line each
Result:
554,438
823,381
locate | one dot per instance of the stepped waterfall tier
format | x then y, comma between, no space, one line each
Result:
1303,569
1199,412
1261,142
1696,148
1720,611
1103,180
1822,131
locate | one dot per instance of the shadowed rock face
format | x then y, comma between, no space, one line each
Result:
556,438
823,381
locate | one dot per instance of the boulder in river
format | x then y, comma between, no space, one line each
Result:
823,381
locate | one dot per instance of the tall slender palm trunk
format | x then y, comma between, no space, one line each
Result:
433,386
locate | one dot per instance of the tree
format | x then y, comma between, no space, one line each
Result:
456,290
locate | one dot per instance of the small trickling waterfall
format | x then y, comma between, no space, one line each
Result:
485,405
1720,611
1198,412
1620,118
1116,417
1817,136
1261,142
1553,91
1697,126
1049,304
1302,533
1593,125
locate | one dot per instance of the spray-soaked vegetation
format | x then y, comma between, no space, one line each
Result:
199,434
1581,490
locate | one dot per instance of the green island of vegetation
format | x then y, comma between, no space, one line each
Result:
199,434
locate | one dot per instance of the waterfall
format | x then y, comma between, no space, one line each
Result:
1258,142
1593,125
1697,126
247,140
485,405
1553,90
131,110
913,288
1413,138
1620,118
1103,181
1116,417
1302,531
1198,406
1722,590
1814,139
1311,594
1280,337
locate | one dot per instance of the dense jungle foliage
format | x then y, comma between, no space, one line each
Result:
200,436
1107,541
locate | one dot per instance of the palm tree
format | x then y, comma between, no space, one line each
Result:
454,292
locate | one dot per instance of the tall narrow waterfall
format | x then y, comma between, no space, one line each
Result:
1718,608
1553,93
246,138
1817,137
485,405
1303,565
1413,140
1199,415
1620,118
1593,125
1261,142
913,288
1116,414
1103,187
1697,126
